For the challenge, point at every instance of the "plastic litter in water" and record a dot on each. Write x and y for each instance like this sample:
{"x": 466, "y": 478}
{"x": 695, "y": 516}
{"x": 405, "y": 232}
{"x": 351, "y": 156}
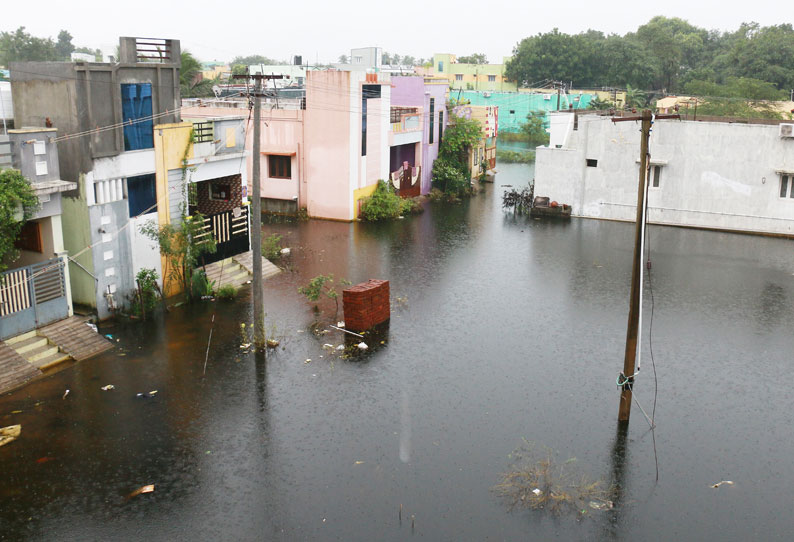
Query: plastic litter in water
{"x": 340, "y": 324}
{"x": 362, "y": 346}
{"x": 537, "y": 491}
{"x": 143, "y": 489}
{"x": 108, "y": 387}
{"x": 9, "y": 434}
{"x": 726, "y": 482}
{"x": 65, "y": 394}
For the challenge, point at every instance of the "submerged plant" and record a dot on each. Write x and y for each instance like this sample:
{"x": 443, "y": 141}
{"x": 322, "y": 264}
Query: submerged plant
{"x": 536, "y": 480}
{"x": 322, "y": 285}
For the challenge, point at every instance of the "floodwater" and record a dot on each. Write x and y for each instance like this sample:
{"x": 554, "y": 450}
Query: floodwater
{"x": 505, "y": 329}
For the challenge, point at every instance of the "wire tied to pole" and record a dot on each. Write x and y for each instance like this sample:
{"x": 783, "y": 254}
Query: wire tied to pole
{"x": 625, "y": 382}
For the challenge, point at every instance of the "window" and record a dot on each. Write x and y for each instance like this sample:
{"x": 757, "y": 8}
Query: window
{"x": 786, "y": 181}
{"x": 491, "y": 78}
{"x": 220, "y": 191}
{"x": 592, "y": 162}
{"x": 458, "y": 77}
{"x": 440, "y": 66}
{"x": 512, "y": 111}
{"x": 367, "y": 92}
{"x": 432, "y": 115}
{"x": 136, "y": 103}
{"x": 357, "y": 59}
{"x": 440, "y": 125}
{"x": 142, "y": 194}
{"x": 280, "y": 167}
{"x": 656, "y": 173}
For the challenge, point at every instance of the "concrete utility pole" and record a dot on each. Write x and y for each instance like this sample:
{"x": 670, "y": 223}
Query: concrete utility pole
{"x": 632, "y": 328}
{"x": 260, "y": 341}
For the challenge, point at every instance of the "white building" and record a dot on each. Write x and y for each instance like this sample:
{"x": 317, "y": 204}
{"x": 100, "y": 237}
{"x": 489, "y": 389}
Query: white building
{"x": 714, "y": 175}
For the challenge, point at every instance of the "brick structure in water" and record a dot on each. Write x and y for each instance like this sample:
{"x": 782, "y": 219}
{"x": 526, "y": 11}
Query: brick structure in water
{"x": 366, "y": 305}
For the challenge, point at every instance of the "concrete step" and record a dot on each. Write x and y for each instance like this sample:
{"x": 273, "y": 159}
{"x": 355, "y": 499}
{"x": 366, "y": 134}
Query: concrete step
{"x": 229, "y": 270}
{"x": 52, "y": 360}
{"x": 41, "y": 352}
{"x": 20, "y": 338}
{"x": 32, "y": 343}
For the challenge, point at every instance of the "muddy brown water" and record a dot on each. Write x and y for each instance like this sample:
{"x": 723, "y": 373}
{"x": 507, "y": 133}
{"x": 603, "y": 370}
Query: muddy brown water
{"x": 506, "y": 328}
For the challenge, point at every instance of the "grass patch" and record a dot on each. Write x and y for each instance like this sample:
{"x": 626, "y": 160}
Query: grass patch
{"x": 227, "y": 292}
{"x": 515, "y": 157}
{"x": 536, "y": 480}
{"x": 271, "y": 247}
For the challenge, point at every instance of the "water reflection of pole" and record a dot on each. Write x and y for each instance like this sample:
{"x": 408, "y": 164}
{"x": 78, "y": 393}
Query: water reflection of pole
{"x": 617, "y": 480}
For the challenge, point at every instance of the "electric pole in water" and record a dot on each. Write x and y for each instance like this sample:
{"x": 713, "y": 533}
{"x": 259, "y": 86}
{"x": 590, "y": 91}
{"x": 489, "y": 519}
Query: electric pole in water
{"x": 632, "y": 329}
{"x": 260, "y": 341}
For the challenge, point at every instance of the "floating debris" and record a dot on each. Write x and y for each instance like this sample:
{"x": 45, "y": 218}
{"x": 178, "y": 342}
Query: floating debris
{"x": 359, "y": 463}
{"x": 44, "y": 460}
{"x": 308, "y": 360}
{"x": 143, "y": 489}
{"x": 272, "y": 343}
{"x": 108, "y": 387}
{"x": 285, "y": 251}
{"x": 9, "y": 434}
{"x": 340, "y": 324}
{"x": 726, "y": 482}
{"x": 537, "y": 491}
{"x": 245, "y": 345}
{"x": 326, "y": 345}
{"x": 65, "y": 394}
{"x": 362, "y": 346}
{"x": 602, "y": 505}
{"x": 92, "y": 326}
{"x": 340, "y": 347}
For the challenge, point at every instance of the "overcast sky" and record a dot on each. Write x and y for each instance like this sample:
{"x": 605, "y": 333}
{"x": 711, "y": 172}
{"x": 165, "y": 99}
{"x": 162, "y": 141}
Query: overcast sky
{"x": 324, "y": 29}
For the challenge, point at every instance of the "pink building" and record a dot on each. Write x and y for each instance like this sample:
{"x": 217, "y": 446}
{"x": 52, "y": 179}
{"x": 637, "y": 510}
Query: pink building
{"x": 324, "y": 158}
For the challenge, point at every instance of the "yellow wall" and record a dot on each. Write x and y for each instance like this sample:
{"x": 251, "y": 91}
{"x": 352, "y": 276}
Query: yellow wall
{"x": 361, "y": 193}
{"x": 172, "y": 144}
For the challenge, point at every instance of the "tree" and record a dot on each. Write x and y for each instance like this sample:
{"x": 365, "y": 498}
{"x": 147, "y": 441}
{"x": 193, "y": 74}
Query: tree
{"x": 18, "y": 202}
{"x": 474, "y": 58}
{"x": 534, "y": 128}
{"x": 64, "y": 47}
{"x": 343, "y": 59}
{"x": 451, "y": 171}
{"x": 21, "y": 46}
{"x": 395, "y": 59}
{"x": 181, "y": 248}
{"x": 190, "y": 68}
{"x": 240, "y": 64}
{"x": 408, "y": 60}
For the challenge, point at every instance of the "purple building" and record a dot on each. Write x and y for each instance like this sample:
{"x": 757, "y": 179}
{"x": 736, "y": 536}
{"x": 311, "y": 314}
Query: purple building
{"x": 418, "y": 120}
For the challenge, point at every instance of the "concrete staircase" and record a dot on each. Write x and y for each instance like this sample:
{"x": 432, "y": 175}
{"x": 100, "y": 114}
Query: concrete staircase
{"x": 238, "y": 270}
{"x": 226, "y": 272}
{"x": 37, "y": 350}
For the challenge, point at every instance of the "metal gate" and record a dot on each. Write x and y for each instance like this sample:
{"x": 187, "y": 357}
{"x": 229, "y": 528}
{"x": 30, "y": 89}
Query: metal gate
{"x": 32, "y": 296}
{"x": 230, "y": 231}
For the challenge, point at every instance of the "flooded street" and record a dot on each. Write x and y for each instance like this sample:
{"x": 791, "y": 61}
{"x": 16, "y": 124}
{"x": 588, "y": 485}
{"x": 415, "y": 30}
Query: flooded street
{"x": 506, "y": 328}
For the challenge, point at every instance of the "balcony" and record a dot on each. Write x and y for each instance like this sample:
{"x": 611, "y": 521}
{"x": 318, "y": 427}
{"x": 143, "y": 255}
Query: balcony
{"x": 406, "y": 126}
{"x": 218, "y": 138}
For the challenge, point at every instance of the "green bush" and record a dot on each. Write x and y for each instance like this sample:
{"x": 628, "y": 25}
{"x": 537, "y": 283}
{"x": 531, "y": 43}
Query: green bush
{"x": 411, "y": 206}
{"x": 449, "y": 178}
{"x": 145, "y": 300}
{"x": 271, "y": 247}
{"x": 383, "y": 204}
{"x": 322, "y": 284}
{"x": 227, "y": 292}
{"x": 510, "y": 157}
